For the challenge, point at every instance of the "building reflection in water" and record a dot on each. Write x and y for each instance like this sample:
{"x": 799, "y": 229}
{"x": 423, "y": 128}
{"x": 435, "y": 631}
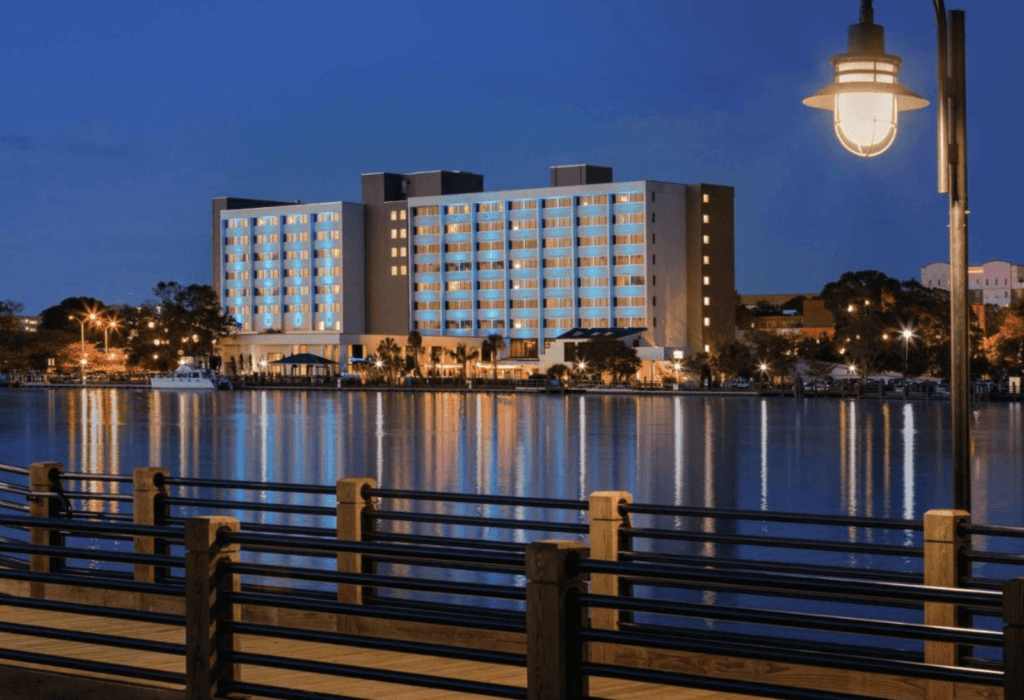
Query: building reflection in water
{"x": 856, "y": 457}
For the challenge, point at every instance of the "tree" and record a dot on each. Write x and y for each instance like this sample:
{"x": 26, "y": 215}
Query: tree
{"x": 390, "y": 357}
{"x": 607, "y": 355}
{"x": 180, "y": 322}
{"x": 414, "y": 348}
{"x": 491, "y": 347}
{"x": 9, "y": 311}
{"x": 559, "y": 371}
{"x": 463, "y": 355}
{"x": 734, "y": 360}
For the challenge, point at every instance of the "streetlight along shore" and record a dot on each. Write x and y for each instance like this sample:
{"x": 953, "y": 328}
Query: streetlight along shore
{"x": 865, "y": 100}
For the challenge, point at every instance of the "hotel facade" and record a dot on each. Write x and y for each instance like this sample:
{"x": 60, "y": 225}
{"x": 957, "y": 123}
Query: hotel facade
{"x": 435, "y": 253}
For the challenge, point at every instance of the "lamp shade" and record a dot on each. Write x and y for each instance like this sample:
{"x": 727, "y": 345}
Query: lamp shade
{"x": 866, "y": 96}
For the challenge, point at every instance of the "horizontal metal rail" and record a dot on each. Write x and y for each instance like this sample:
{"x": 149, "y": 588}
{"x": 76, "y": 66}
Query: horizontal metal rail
{"x": 91, "y": 527}
{"x": 379, "y": 581}
{"x": 107, "y": 640}
{"x": 269, "y": 528}
{"x": 462, "y": 612}
{"x": 425, "y": 555}
{"x": 437, "y": 541}
{"x": 801, "y": 518}
{"x": 94, "y": 554}
{"x": 12, "y": 469}
{"x": 384, "y": 676}
{"x": 106, "y": 582}
{"x": 785, "y": 584}
{"x": 774, "y": 566}
{"x": 994, "y": 557}
{"x": 90, "y": 495}
{"x": 990, "y": 530}
{"x": 481, "y": 521}
{"x": 278, "y": 486}
{"x": 780, "y": 542}
{"x": 11, "y": 488}
{"x": 94, "y": 610}
{"x": 272, "y": 600}
{"x": 65, "y": 662}
{"x": 76, "y": 476}
{"x": 519, "y": 501}
{"x": 810, "y": 621}
{"x": 323, "y": 511}
{"x": 20, "y": 507}
{"x": 810, "y": 657}
{"x": 396, "y": 645}
{"x": 796, "y": 645}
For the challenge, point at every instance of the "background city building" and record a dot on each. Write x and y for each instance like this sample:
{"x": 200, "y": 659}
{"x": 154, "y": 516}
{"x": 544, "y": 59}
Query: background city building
{"x": 996, "y": 282}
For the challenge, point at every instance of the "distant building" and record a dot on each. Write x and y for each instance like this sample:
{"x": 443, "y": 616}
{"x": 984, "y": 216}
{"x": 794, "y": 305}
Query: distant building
{"x": 433, "y": 252}
{"x": 996, "y": 282}
{"x": 29, "y": 324}
{"x": 809, "y": 318}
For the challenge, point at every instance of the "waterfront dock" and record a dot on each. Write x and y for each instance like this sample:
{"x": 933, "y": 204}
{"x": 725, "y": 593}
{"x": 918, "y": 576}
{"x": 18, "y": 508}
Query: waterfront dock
{"x": 397, "y": 600}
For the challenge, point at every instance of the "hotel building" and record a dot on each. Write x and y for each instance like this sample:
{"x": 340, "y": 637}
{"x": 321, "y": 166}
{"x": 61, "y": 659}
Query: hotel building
{"x": 433, "y": 252}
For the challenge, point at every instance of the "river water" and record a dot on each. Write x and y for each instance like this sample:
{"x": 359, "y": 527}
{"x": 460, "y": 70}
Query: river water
{"x": 852, "y": 457}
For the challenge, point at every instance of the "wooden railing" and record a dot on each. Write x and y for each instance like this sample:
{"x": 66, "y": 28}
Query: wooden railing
{"x": 723, "y": 608}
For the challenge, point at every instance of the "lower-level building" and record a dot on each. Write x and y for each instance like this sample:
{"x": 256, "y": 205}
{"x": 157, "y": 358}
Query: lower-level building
{"x": 996, "y": 282}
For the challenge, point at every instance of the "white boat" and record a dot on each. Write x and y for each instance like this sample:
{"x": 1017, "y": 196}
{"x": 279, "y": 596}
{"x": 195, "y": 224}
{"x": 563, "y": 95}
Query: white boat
{"x": 188, "y": 377}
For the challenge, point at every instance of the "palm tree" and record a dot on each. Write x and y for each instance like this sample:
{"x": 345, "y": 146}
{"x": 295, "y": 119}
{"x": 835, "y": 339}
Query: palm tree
{"x": 463, "y": 355}
{"x": 390, "y": 355}
{"x": 491, "y": 347}
{"x": 414, "y": 343}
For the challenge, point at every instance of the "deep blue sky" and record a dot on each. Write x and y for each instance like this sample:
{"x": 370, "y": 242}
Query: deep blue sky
{"x": 119, "y": 121}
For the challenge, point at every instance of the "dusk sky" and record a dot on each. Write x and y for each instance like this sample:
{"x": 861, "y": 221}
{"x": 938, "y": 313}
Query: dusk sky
{"x": 119, "y": 121}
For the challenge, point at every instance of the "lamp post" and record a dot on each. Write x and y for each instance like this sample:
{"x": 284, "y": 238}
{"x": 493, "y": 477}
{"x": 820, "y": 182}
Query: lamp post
{"x": 81, "y": 322}
{"x": 109, "y": 325}
{"x": 866, "y": 99}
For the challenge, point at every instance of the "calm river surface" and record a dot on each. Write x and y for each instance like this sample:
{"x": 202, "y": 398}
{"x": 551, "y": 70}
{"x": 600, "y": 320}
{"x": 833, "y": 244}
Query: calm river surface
{"x": 853, "y": 457}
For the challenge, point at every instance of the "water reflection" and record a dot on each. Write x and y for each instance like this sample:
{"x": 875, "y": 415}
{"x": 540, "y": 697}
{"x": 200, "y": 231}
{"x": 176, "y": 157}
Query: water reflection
{"x": 864, "y": 457}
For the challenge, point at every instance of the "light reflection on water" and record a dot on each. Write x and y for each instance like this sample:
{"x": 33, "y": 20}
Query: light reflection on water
{"x": 883, "y": 459}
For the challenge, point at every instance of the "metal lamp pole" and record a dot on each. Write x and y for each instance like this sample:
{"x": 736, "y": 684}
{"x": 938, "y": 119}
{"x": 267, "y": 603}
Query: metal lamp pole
{"x": 865, "y": 99}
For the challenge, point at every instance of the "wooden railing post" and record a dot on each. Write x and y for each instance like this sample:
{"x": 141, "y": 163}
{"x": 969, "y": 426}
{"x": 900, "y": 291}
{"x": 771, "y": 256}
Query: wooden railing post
{"x": 44, "y": 479}
{"x": 207, "y": 613}
{"x": 553, "y": 652}
{"x": 943, "y": 567}
{"x": 354, "y": 522}
{"x": 1013, "y": 639}
{"x": 606, "y": 541}
{"x": 149, "y": 507}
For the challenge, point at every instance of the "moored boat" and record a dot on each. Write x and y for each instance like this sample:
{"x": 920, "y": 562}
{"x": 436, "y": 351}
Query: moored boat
{"x": 189, "y": 377}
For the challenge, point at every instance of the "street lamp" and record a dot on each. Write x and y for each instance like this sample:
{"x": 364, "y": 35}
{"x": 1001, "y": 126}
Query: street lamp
{"x": 81, "y": 322}
{"x": 866, "y": 99}
{"x": 109, "y": 325}
{"x": 906, "y": 334}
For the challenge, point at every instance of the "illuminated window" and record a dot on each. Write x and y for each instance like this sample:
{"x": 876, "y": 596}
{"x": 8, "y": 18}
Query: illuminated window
{"x": 402, "y": 232}
{"x": 404, "y": 270}
{"x": 707, "y": 280}
{"x": 707, "y": 348}
{"x": 401, "y": 215}
{"x": 707, "y": 321}
{"x": 394, "y": 252}
{"x": 394, "y": 270}
{"x": 707, "y": 301}
{"x": 707, "y": 198}
{"x": 707, "y": 239}
{"x": 394, "y": 216}
{"x": 707, "y": 259}
{"x": 403, "y": 252}
{"x": 707, "y": 218}
{"x": 394, "y": 233}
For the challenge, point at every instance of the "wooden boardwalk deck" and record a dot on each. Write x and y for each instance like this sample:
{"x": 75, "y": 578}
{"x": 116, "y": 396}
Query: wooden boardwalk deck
{"x": 21, "y": 686}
